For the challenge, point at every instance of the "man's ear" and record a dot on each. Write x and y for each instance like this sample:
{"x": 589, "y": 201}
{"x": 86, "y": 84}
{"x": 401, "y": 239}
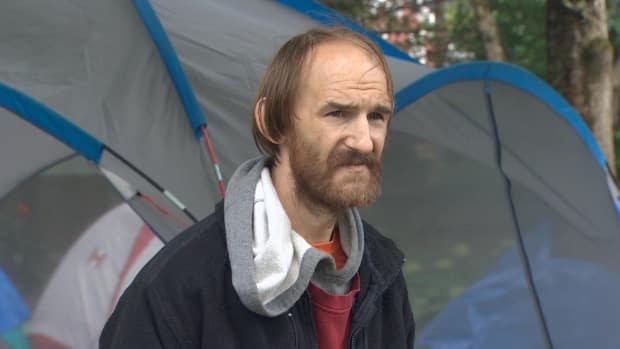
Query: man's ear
{"x": 259, "y": 118}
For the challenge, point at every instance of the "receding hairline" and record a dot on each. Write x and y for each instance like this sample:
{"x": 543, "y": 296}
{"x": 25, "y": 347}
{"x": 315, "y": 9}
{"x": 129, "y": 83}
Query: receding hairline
{"x": 373, "y": 55}
{"x": 368, "y": 50}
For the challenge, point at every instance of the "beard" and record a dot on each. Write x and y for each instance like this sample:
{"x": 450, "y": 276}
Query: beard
{"x": 317, "y": 185}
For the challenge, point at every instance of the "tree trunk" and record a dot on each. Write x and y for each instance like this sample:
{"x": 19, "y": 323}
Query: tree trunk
{"x": 580, "y": 59}
{"x": 616, "y": 106}
{"x": 616, "y": 81}
{"x": 488, "y": 30}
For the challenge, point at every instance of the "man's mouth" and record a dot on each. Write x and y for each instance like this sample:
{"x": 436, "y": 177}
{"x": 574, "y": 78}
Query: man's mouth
{"x": 356, "y": 166}
{"x": 353, "y": 160}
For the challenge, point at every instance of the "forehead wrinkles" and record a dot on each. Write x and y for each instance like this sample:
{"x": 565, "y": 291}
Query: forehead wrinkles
{"x": 338, "y": 68}
{"x": 335, "y": 58}
{"x": 372, "y": 89}
{"x": 370, "y": 79}
{"x": 336, "y": 73}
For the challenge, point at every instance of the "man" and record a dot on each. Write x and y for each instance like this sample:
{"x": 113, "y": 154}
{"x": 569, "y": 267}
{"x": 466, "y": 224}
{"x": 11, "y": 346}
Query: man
{"x": 286, "y": 261}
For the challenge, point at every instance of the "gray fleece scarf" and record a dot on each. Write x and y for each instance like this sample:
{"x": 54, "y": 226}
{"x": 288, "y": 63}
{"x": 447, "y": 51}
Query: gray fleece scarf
{"x": 268, "y": 283}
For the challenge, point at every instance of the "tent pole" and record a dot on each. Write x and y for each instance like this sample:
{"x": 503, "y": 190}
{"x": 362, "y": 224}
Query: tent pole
{"x": 519, "y": 236}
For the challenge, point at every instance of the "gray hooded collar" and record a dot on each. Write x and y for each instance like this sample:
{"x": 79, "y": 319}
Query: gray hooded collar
{"x": 315, "y": 265}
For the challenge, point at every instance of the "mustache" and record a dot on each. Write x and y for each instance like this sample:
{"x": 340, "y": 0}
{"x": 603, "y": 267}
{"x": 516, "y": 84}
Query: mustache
{"x": 352, "y": 157}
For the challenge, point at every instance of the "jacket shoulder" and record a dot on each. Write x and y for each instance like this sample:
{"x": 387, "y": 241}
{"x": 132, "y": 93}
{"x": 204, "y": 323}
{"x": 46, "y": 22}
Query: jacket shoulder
{"x": 377, "y": 243}
{"x": 166, "y": 298}
{"x": 199, "y": 249}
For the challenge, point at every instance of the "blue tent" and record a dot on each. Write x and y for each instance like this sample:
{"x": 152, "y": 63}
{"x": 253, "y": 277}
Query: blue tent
{"x": 13, "y": 313}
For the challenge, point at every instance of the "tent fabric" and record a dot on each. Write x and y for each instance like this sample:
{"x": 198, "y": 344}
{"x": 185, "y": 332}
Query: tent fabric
{"x": 50, "y": 122}
{"x": 13, "y": 310}
{"x": 509, "y": 74}
{"x": 39, "y": 221}
{"x": 524, "y": 130}
{"x": 37, "y": 149}
{"x": 170, "y": 59}
{"x": 99, "y": 264}
{"x": 56, "y": 128}
{"x": 495, "y": 311}
{"x": 546, "y": 169}
{"x": 589, "y": 204}
{"x": 104, "y": 74}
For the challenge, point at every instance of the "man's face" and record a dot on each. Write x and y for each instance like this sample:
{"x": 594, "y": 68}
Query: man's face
{"x": 342, "y": 114}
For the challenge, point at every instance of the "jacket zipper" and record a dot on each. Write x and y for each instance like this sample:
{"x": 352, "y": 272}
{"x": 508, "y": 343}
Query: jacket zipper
{"x": 294, "y": 328}
{"x": 366, "y": 317}
{"x": 353, "y": 338}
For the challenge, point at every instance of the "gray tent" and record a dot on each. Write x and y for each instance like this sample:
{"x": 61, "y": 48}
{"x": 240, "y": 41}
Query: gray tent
{"x": 479, "y": 158}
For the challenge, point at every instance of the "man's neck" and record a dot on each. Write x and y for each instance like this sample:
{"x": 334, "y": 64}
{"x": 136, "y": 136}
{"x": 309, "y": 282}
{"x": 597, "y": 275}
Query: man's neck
{"x": 314, "y": 223}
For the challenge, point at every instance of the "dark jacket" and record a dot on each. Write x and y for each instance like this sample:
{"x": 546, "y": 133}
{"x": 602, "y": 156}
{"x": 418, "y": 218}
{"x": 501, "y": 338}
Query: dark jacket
{"x": 184, "y": 298}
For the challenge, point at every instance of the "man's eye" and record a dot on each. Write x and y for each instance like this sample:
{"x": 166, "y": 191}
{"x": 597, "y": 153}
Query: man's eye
{"x": 336, "y": 113}
{"x": 376, "y": 116}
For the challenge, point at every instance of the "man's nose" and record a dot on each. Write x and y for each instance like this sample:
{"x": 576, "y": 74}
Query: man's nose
{"x": 359, "y": 136}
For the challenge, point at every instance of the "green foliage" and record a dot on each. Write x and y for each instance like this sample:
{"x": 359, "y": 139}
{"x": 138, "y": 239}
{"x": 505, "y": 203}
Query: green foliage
{"x": 357, "y": 10}
{"x": 389, "y": 16}
{"x": 460, "y": 18}
{"x": 521, "y": 25}
{"x": 522, "y": 29}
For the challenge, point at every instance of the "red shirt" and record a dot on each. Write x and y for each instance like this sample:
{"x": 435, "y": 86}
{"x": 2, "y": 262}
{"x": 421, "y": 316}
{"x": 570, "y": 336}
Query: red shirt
{"x": 332, "y": 313}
